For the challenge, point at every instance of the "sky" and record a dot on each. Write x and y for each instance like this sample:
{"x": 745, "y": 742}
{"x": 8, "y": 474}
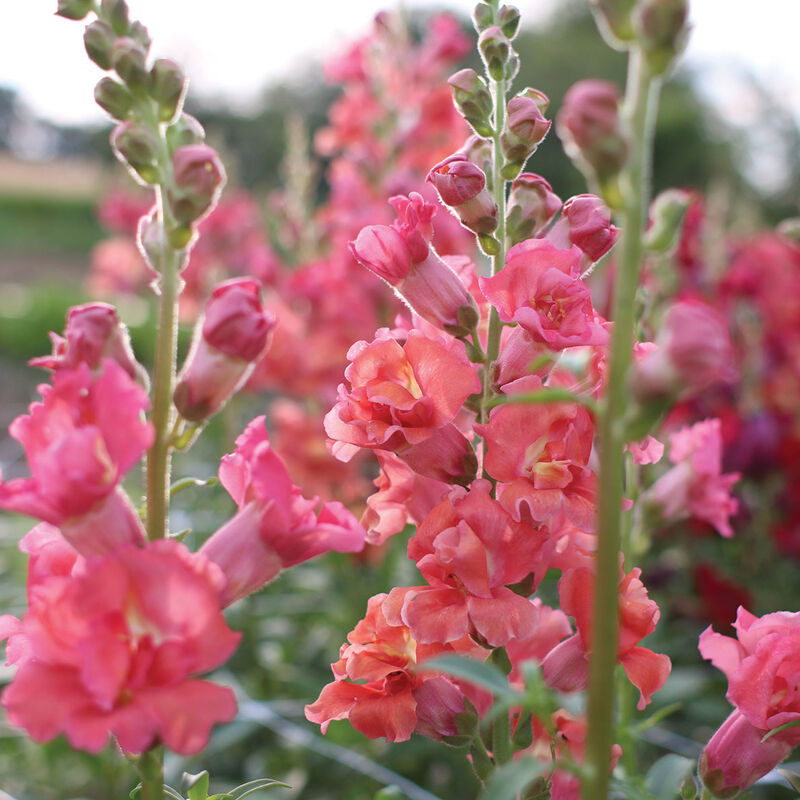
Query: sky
{"x": 235, "y": 51}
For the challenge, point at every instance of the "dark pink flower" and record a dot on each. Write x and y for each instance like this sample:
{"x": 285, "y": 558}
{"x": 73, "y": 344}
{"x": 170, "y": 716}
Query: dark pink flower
{"x": 586, "y": 223}
{"x": 112, "y": 652}
{"x": 275, "y": 527}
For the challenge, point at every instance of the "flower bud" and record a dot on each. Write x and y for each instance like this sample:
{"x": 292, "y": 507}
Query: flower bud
{"x": 167, "y": 83}
{"x": 74, "y": 9}
{"x": 231, "y": 336}
{"x": 667, "y": 212}
{"x": 139, "y": 33}
{"x": 508, "y": 20}
{"x": 531, "y": 205}
{"x": 113, "y": 98}
{"x": 736, "y": 758}
{"x": 661, "y": 29}
{"x": 137, "y": 146}
{"x": 198, "y": 180}
{"x": 613, "y": 18}
{"x": 482, "y": 17}
{"x": 480, "y": 151}
{"x": 495, "y": 50}
{"x": 115, "y": 12}
{"x": 525, "y": 128}
{"x": 589, "y": 225}
{"x": 462, "y": 186}
{"x": 98, "y": 39}
{"x": 472, "y": 99}
{"x": 128, "y": 58}
{"x": 184, "y": 131}
{"x": 589, "y": 127}
{"x": 93, "y": 333}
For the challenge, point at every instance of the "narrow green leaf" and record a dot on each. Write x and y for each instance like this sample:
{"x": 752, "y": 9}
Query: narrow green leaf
{"x": 665, "y": 777}
{"x": 546, "y": 395}
{"x": 186, "y": 483}
{"x": 254, "y": 786}
{"x": 197, "y": 785}
{"x": 793, "y": 724}
{"x": 480, "y": 673}
{"x": 508, "y": 781}
{"x": 135, "y": 791}
{"x": 173, "y": 794}
{"x": 662, "y": 713}
{"x": 792, "y": 777}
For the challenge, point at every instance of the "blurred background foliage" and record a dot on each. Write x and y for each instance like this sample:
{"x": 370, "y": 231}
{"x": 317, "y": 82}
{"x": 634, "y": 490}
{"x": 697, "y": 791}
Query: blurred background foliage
{"x": 47, "y": 228}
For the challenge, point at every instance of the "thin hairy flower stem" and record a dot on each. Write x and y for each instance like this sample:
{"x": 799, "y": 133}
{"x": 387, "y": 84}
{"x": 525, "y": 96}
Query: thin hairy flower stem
{"x": 159, "y": 456}
{"x": 639, "y": 113}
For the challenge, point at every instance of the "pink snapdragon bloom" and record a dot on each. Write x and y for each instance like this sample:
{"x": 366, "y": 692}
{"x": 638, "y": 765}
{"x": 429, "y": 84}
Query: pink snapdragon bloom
{"x": 275, "y": 526}
{"x": 84, "y": 435}
{"x": 763, "y": 669}
{"x": 469, "y": 549}
{"x": 93, "y": 333}
{"x": 693, "y": 353}
{"x": 402, "y": 497}
{"x": 552, "y": 627}
{"x": 112, "y": 650}
{"x": 541, "y": 458}
{"x": 695, "y": 486}
{"x": 401, "y": 255}
{"x": 586, "y": 223}
{"x": 404, "y": 398}
{"x": 540, "y": 289}
{"x": 231, "y": 336}
{"x": 565, "y": 667}
{"x": 646, "y": 451}
{"x": 379, "y": 689}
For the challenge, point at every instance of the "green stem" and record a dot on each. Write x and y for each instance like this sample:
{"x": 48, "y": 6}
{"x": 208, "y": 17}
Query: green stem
{"x": 502, "y": 749}
{"x": 151, "y": 771}
{"x": 639, "y": 112}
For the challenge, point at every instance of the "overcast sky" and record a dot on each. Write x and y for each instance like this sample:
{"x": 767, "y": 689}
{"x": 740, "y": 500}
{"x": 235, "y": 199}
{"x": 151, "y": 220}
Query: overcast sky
{"x": 234, "y": 48}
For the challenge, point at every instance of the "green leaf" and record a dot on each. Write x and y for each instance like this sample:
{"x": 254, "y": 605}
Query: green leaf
{"x": 388, "y": 793}
{"x": 665, "y": 777}
{"x": 633, "y": 791}
{"x": 254, "y": 786}
{"x": 480, "y": 673}
{"x": 792, "y": 777}
{"x": 135, "y": 791}
{"x": 662, "y": 713}
{"x": 224, "y": 796}
{"x": 508, "y": 781}
{"x": 172, "y": 793}
{"x": 197, "y": 785}
{"x": 793, "y": 724}
{"x": 186, "y": 483}
{"x": 547, "y": 395}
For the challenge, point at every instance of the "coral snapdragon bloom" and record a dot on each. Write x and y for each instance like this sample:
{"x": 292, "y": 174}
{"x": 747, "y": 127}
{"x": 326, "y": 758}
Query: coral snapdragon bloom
{"x": 84, "y": 435}
{"x": 469, "y": 549}
{"x": 540, "y": 454}
{"x": 404, "y": 398}
{"x": 540, "y": 288}
{"x": 762, "y": 665}
{"x": 275, "y": 526}
{"x": 565, "y": 667}
{"x": 379, "y": 689}
{"x": 110, "y": 647}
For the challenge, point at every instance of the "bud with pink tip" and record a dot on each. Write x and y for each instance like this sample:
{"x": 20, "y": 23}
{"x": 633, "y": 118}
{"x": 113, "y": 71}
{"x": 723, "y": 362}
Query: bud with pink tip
{"x": 499, "y": 57}
{"x": 137, "y": 147}
{"x": 93, "y": 334}
{"x": 129, "y": 60}
{"x": 230, "y": 337}
{"x": 508, "y": 20}
{"x": 167, "y": 84}
{"x": 524, "y": 131}
{"x": 462, "y": 186}
{"x": 198, "y": 180}
{"x": 74, "y": 9}
{"x": 586, "y": 222}
{"x": 531, "y": 205}
{"x": 589, "y": 127}
{"x": 113, "y": 98}
{"x": 98, "y": 39}
{"x": 471, "y": 97}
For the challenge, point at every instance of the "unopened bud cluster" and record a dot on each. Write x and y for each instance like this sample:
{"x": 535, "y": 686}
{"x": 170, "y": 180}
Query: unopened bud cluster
{"x": 154, "y": 138}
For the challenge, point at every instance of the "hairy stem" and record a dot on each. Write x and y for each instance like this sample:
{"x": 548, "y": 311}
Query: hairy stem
{"x": 639, "y": 112}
